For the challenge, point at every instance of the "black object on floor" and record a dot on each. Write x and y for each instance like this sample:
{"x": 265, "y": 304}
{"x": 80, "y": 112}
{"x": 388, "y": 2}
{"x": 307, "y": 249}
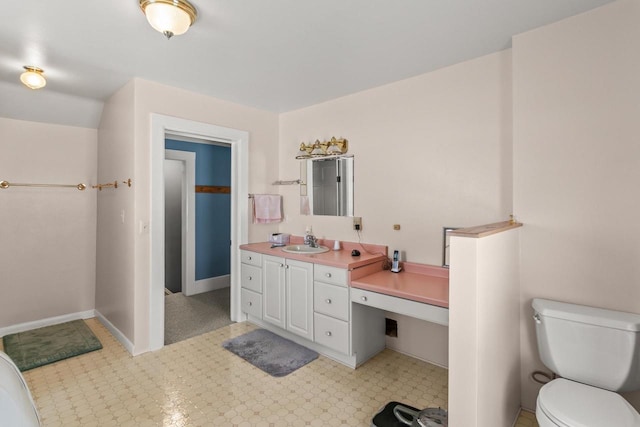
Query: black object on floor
{"x": 385, "y": 417}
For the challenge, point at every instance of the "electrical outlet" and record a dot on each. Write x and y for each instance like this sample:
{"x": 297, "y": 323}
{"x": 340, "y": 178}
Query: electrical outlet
{"x": 357, "y": 223}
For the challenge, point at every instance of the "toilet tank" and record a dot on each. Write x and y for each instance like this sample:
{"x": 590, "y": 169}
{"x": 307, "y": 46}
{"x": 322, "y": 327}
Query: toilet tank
{"x": 589, "y": 345}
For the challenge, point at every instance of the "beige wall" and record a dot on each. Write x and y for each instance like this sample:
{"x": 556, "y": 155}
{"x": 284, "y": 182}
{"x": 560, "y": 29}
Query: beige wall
{"x": 263, "y": 166}
{"x": 48, "y": 235}
{"x": 577, "y": 165}
{"x": 115, "y": 235}
{"x": 484, "y": 336}
{"x": 430, "y": 151}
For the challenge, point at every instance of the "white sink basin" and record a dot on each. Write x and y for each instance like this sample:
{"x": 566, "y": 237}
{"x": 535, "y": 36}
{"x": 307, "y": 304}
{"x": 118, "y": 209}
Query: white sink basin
{"x": 304, "y": 249}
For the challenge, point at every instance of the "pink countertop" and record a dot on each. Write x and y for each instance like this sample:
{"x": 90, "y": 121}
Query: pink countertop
{"x": 416, "y": 282}
{"x": 340, "y": 259}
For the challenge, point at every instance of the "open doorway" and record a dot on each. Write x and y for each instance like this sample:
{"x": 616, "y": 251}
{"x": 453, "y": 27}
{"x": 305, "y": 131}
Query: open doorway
{"x": 162, "y": 126}
{"x": 197, "y": 190}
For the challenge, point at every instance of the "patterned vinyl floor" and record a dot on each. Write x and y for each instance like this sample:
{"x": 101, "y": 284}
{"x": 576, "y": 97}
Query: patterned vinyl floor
{"x": 198, "y": 383}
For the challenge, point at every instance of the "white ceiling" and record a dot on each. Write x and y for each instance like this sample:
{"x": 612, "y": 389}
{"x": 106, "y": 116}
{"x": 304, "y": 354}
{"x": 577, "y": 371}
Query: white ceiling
{"x": 276, "y": 55}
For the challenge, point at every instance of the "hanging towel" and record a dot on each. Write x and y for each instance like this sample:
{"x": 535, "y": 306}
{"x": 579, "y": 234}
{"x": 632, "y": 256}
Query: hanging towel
{"x": 267, "y": 208}
{"x": 304, "y": 205}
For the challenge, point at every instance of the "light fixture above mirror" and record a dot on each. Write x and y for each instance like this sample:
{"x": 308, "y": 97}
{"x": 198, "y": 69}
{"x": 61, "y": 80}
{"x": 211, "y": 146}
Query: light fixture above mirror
{"x": 333, "y": 147}
{"x": 170, "y": 17}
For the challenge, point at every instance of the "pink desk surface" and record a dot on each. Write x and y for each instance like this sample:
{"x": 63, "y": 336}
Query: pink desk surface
{"x": 416, "y": 282}
{"x": 340, "y": 259}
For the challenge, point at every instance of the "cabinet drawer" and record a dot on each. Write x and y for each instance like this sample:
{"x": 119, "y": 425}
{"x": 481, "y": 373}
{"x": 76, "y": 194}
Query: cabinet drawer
{"x": 331, "y": 332}
{"x": 331, "y": 300}
{"x": 324, "y": 273}
{"x": 419, "y": 310}
{"x": 252, "y": 258}
{"x": 251, "y": 277}
{"x": 251, "y": 303}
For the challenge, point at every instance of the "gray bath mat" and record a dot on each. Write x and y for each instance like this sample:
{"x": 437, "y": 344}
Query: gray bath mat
{"x": 273, "y": 354}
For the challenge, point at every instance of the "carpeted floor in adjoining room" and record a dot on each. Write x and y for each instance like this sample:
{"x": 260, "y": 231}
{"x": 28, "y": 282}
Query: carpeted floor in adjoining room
{"x": 187, "y": 317}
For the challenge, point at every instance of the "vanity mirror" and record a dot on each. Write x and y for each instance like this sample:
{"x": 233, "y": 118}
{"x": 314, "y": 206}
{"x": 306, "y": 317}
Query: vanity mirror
{"x": 329, "y": 186}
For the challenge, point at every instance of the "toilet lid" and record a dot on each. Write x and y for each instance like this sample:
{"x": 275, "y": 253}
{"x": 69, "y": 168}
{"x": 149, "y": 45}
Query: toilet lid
{"x": 568, "y": 403}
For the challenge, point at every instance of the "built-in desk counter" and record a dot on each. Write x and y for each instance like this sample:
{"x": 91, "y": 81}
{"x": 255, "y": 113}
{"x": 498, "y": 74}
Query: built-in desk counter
{"x": 420, "y": 291}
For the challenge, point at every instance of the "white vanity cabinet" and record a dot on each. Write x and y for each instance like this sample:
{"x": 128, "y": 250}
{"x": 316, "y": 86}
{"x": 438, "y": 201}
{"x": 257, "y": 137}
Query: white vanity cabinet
{"x": 308, "y": 300}
{"x": 288, "y": 295}
{"x": 251, "y": 283}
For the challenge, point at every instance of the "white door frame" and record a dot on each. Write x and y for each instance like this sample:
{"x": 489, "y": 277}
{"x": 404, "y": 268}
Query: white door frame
{"x": 188, "y": 218}
{"x": 239, "y": 142}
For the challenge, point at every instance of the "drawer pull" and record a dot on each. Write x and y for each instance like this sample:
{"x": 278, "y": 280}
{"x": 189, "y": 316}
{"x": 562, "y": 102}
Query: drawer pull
{"x": 363, "y": 298}
{"x": 328, "y": 333}
{"x": 328, "y": 274}
{"x": 328, "y": 300}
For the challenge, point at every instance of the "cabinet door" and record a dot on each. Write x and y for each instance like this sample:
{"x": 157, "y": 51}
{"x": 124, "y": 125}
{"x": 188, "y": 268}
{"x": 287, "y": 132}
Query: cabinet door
{"x": 273, "y": 290}
{"x": 299, "y": 281}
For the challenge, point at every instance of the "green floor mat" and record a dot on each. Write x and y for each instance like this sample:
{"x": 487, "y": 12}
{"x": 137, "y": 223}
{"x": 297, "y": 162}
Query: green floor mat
{"x": 50, "y": 344}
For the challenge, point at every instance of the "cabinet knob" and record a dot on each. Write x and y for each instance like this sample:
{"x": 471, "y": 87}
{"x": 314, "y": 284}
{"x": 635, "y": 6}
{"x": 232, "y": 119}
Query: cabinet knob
{"x": 250, "y": 303}
{"x": 328, "y": 274}
{"x": 249, "y": 277}
{"x": 328, "y": 300}
{"x": 287, "y": 267}
{"x": 363, "y": 298}
{"x": 249, "y": 258}
{"x": 281, "y": 265}
{"x": 328, "y": 333}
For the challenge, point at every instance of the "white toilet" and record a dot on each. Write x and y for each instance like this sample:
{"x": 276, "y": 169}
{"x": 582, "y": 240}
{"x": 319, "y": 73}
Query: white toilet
{"x": 596, "y": 352}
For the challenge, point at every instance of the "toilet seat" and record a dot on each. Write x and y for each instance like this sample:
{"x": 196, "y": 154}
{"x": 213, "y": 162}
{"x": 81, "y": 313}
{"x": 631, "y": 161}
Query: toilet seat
{"x": 570, "y": 404}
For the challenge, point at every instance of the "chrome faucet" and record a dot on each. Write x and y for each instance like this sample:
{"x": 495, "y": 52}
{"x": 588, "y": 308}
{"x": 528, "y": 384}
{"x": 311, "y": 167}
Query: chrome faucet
{"x": 310, "y": 240}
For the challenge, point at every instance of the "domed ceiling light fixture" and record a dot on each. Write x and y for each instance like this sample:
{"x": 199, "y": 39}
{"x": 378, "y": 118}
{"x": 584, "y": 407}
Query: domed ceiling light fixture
{"x": 170, "y": 17}
{"x": 33, "y": 78}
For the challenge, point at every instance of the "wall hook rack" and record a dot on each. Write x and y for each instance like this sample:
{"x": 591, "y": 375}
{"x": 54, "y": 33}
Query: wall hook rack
{"x": 113, "y": 184}
{"x": 292, "y": 182}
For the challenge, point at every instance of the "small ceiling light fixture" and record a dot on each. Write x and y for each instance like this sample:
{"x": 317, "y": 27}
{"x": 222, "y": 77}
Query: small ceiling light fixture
{"x": 33, "y": 78}
{"x": 170, "y": 17}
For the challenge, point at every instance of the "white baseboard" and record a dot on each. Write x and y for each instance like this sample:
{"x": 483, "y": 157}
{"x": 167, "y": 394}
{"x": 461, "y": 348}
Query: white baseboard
{"x": 212, "y": 284}
{"x": 128, "y": 345}
{"x": 27, "y": 326}
{"x": 440, "y": 365}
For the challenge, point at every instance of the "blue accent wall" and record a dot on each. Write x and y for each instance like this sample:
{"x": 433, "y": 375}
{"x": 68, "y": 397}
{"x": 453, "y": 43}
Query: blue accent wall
{"x": 213, "y": 211}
